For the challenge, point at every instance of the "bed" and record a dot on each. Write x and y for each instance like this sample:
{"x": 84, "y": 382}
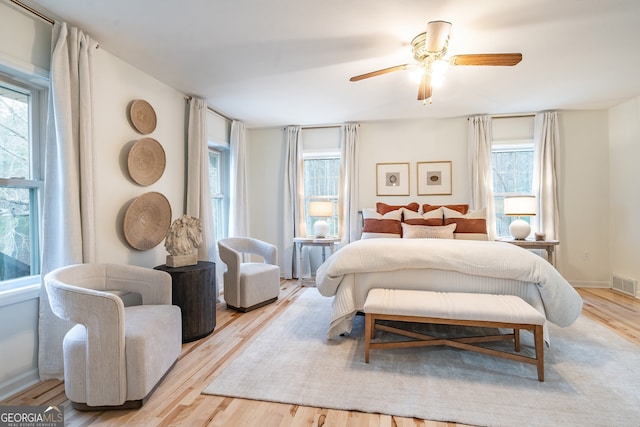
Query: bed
{"x": 445, "y": 265}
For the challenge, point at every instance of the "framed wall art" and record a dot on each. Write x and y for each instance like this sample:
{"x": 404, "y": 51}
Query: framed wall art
{"x": 392, "y": 179}
{"x": 434, "y": 178}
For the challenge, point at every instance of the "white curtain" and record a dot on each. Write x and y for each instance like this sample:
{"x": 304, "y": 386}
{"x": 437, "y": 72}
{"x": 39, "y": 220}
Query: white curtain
{"x": 238, "y": 200}
{"x": 481, "y": 170}
{"x": 348, "y": 193}
{"x": 198, "y": 197}
{"x": 293, "y": 207}
{"x": 68, "y": 235}
{"x": 546, "y": 138}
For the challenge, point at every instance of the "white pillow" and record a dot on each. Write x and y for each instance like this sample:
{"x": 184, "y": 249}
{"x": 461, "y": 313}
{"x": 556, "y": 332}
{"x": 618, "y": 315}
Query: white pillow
{"x": 471, "y": 226}
{"x": 477, "y": 213}
{"x": 436, "y": 213}
{"x": 428, "y": 231}
{"x": 377, "y": 225}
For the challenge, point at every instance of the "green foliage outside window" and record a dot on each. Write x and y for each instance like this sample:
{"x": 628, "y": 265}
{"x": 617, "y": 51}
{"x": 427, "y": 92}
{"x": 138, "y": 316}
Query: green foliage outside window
{"x": 17, "y": 202}
{"x": 512, "y": 174}
{"x": 321, "y": 182}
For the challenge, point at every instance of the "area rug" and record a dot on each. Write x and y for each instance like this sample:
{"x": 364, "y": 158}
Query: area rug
{"x": 592, "y": 376}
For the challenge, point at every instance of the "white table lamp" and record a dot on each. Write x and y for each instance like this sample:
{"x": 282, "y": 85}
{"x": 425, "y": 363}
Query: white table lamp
{"x": 321, "y": 209}
{"x": 520, "y": 206}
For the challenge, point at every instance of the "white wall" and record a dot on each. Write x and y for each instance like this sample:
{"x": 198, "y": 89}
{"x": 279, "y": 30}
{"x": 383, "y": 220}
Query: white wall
{"x": 583, "y": 256}
{"x": 115, "y": 85}
{"x": 583, "y": 180}
{"x": 265, "y": 169}
{"x": 413, "y": 141}
{"x": 624, "y": 157}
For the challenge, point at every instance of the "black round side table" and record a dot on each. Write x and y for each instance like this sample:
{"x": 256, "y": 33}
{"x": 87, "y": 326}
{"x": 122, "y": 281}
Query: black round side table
{"x": 193, "y": 290}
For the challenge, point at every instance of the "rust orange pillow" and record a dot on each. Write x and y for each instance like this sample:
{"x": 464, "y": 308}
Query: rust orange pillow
{"x": 433, "y": 217}
{"x": 463, "y": 209}
{"x": 381, "y": 225}
{"x": 383, "y": 208}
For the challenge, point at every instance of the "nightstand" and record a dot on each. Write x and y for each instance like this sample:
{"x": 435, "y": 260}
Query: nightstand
{"x": 548, "y": 245}
{"x": 324, "y": 242}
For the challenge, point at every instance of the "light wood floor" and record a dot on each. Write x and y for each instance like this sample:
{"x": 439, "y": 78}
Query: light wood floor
{"x": 178, "y": 401}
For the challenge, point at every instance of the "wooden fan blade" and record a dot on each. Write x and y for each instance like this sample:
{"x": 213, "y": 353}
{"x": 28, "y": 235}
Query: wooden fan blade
{"x": 505, "y": 59}
{"x": 424, "y": 92}
{"x": 379, "y": 72}
{"x": 437, "y": 35}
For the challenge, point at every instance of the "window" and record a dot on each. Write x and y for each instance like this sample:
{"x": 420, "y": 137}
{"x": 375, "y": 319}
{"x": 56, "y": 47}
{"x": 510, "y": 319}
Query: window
{"x": 218, "y": 172}
{"x": 321, "y": 183}
{"x": 20, "y": 183}
{"x": 512, "y": 174}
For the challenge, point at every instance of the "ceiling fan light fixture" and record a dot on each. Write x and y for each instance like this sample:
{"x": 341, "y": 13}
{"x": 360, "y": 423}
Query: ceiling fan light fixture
{"x": 429, "y": 51}
{"x": 438, "y": 70}
{"x": 439, "y": 67}
{"x": 437, "y": 37}
{"x": 416, "y": 71}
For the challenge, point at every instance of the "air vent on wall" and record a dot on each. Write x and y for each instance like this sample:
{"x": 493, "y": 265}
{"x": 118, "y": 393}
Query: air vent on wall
{"x": 625, "y": 285}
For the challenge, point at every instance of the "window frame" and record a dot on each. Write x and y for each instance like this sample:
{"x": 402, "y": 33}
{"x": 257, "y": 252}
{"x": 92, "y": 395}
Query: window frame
{"x": 321, "y": 155}
{"x": 25, "y": 286}
{"x": 222, "y": 228}
{"x": 510, "y": 147}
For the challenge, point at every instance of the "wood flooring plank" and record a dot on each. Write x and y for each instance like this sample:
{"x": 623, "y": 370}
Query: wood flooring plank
{"x": 178, "y": 400}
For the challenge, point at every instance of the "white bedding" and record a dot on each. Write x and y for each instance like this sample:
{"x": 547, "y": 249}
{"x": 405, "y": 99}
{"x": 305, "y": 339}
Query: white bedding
{"x": 442, "y": 265}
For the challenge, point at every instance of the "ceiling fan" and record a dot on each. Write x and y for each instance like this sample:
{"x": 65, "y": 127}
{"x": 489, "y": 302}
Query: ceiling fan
{"x": 429, "y": 49}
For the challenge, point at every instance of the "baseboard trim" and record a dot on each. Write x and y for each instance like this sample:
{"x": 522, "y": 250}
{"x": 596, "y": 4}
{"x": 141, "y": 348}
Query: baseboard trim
{"x": 19, "y": 383}
{"x": 590, "y": 284}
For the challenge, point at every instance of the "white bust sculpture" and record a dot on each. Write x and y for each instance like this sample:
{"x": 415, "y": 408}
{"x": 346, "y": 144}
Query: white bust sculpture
{"x": 182, "y": 241}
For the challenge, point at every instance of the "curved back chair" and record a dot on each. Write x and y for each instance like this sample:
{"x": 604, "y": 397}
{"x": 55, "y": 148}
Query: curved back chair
{"x": 115, "y": 355}
{"x": 249, "y": 285}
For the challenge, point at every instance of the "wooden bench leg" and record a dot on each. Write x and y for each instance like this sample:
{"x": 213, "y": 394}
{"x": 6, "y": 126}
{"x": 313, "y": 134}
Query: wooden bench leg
{"x": 368, "y": 334}
{"x": 539, "y": 344}
{"x": 516, "y": 339}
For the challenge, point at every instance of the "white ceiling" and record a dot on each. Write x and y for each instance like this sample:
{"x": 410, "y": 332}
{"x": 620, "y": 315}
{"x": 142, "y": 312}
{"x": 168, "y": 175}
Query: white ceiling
{"x": 278, "y": 62}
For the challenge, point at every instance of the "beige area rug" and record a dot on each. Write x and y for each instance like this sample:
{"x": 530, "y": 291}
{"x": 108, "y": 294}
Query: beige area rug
{"x": 592, "y": 376}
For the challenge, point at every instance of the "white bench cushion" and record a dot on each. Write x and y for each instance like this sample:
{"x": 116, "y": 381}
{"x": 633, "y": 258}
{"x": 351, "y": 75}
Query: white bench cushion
{"x": 452, "y": 305}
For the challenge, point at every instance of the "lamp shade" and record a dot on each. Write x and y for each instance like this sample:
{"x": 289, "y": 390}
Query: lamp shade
{"x": 320, "y": 208}
{"x": 520, "y": 205}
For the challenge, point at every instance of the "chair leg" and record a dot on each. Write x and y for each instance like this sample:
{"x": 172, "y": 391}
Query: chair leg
{"x": 253, "y": 307}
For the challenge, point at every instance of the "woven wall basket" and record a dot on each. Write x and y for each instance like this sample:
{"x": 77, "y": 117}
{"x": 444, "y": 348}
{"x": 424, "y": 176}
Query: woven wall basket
{"x": 147, "y": 221}
{"x": 142, "y": 116}
{"x": 146, "y": 161}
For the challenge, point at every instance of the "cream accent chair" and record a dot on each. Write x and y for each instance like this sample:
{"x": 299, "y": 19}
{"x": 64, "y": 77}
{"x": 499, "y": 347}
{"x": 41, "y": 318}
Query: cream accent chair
{"x": 115, "y": 356}
{"x": 249, "y": 285}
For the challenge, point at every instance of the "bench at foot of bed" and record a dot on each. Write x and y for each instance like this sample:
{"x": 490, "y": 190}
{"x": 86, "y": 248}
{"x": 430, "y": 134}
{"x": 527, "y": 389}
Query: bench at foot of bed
{"x": 451, "y": 308}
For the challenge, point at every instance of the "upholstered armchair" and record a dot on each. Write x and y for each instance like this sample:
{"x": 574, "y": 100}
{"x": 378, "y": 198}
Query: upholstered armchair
{"x": 115, "y": 355}
{"x": 249, "y": 285}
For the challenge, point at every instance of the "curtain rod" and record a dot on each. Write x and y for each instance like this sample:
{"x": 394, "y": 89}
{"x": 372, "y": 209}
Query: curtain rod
{"x": 33, "y": 11}
{"x": 317, "y": 127}
{"x": 517, "y": 116}
{"x": 220, "y": 114}
{"x": 189, "y": 98}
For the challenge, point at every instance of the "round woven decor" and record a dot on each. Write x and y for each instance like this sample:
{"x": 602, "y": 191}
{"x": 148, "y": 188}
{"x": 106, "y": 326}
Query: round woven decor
{"x": 146, "y": 161}
{"x": 147, "y": 221}
{"x": 142, "y": 116}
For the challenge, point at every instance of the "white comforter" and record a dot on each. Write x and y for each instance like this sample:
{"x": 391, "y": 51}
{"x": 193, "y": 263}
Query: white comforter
{"x": 395, "y": 257}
